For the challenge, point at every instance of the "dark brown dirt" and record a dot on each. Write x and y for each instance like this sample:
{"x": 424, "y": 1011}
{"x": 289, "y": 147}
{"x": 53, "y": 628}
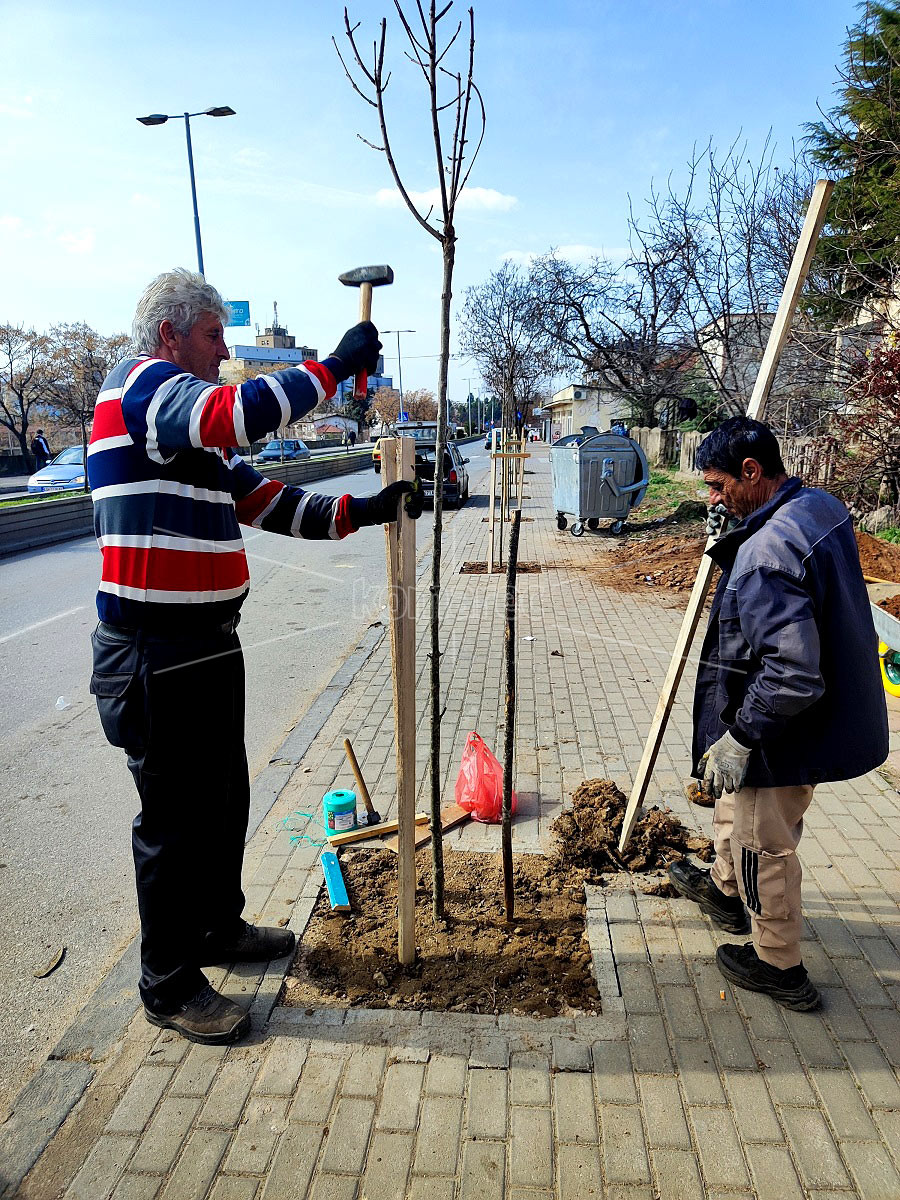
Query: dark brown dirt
{"x": 878, "y": 558}
{"x": 480, "y": 568}
{"x": 540, "y": 965}
{"x": 587, "y": 836}
{"x": 891, "y": 605}
{"x": 662, "y": 562}
{"x": 695, "y": 793}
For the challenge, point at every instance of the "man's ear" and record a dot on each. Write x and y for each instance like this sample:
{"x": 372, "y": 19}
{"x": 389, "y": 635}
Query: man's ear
{"x": 751, "y": 471}
{"x": 167, "y": 334}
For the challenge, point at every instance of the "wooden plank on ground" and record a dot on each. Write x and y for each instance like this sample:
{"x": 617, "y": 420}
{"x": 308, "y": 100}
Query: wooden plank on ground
{"x": 369, "y": 831}
{"x": 451, "y": 816}
{"x": 806, "y": 246}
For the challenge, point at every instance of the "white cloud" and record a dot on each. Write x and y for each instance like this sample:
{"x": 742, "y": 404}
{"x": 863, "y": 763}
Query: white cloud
{"x": 11, "y": 224}
{"x": 471, "y": 199}
{"x": 250, "y": 156}
{"x": 578, "y": 252}
{"x": 80, "y": 242}
{"x": 141, "y": 201}
{"x": 17, "y": 109}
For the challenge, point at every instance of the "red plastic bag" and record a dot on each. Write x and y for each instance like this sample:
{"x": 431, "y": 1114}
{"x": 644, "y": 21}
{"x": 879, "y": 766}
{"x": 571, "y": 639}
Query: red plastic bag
{"x": 479, "y": 784}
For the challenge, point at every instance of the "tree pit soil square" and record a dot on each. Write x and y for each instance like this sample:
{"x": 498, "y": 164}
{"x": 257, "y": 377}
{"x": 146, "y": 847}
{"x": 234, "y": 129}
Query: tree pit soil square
{"x": 480, "y": 568}
{"x": 540, "y": 965}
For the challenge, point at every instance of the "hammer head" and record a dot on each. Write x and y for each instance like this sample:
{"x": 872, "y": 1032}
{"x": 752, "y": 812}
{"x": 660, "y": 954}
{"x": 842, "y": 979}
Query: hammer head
{"x": 375, "y": 276}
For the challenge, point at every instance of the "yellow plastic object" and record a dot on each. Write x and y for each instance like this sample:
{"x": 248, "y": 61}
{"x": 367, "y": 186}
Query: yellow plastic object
{"x": 890, "y": 669}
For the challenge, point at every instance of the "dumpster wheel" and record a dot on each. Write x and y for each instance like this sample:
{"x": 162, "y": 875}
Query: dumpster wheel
{"x": 890, "y": 669}
{"x": 617, "y": 527}
{"x": 593, "y": 522}
{"x": 577, "y": 529}
{"x": 561, "y": 522}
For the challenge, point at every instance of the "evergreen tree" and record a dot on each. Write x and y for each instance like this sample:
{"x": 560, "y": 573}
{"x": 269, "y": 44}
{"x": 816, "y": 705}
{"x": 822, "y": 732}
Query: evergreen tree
{"x": 858, "y": 143}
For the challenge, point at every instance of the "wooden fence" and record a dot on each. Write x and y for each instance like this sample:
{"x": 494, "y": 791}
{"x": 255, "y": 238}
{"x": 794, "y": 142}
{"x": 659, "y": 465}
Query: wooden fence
{"x": 810, "y": 458}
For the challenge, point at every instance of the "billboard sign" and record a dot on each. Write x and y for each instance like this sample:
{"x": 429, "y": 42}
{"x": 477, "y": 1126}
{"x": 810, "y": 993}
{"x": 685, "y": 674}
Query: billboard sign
{"x": 240, "y": 312}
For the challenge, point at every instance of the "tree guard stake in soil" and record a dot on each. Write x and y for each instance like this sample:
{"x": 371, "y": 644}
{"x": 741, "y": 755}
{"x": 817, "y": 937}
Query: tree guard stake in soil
{"x": 398, "y": 458}
{"x": 803, "y": 255}
{"x": 510, "y": 730}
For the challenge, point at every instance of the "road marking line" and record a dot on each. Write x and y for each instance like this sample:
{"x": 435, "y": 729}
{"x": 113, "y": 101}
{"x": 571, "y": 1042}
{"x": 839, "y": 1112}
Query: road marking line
{"x": 37, "y": 625}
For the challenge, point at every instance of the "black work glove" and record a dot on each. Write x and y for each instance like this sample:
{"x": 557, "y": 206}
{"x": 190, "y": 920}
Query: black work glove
{"x": 381, "y": 508}
{"x": 356, "y": 351}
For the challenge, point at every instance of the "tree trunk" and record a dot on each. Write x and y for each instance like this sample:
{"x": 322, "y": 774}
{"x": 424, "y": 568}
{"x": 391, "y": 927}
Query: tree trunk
{"x": 437, "y": 843}
{"x": 510, "y": 729}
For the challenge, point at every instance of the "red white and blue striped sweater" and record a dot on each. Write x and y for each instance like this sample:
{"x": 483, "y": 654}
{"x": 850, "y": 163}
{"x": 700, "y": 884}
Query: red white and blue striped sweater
{"x": 169, "y": 492}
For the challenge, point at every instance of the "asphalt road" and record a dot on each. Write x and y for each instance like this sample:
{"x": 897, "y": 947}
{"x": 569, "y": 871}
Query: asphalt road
{"x": 67, "y": 798}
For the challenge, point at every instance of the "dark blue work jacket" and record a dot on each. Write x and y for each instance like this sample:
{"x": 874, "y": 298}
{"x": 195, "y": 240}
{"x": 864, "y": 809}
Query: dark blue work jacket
{"x": 790, "y": 662}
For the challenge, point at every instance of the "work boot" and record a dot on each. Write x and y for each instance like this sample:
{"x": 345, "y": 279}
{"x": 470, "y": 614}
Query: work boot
{"x": 727, "y": 912}
{"x": 208, "y": 1018}
{"x": 250, "y": 943}
{"x": 792, "y": 988}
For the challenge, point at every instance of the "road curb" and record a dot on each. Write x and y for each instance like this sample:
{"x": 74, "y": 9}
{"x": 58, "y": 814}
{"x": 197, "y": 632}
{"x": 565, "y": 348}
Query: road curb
{"x": 51, "y": 1094}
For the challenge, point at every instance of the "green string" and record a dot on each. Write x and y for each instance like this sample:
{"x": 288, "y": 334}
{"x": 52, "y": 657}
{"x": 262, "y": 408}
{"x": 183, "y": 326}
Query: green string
{"x": 296, "y": 837}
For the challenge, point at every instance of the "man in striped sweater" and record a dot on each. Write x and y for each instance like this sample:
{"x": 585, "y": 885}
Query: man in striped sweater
{"x": 170, "y": 495}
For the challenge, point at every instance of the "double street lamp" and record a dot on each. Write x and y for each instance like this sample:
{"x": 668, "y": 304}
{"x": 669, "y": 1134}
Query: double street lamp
{"x": 160, "y": 119}
{"x": 399, "y": 363}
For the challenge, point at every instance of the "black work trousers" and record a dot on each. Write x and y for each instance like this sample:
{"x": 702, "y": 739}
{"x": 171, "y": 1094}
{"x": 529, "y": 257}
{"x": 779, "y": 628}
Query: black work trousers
{"x": 176, "y": 706}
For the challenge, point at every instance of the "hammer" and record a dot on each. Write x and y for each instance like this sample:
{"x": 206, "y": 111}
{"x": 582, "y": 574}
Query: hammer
{"x": 372, "y": 817}
{"x": 365, "y": 278}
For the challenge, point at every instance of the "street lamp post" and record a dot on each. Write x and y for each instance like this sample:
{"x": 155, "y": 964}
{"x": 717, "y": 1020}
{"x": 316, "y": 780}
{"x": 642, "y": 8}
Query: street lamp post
{"x": 399, "y": 362}
{"x": 160, "y": 119}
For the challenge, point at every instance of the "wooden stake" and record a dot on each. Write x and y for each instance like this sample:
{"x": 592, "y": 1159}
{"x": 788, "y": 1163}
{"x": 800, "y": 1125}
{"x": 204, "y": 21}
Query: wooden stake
{"x": 803, "y": 255}
{"x": 492, "y": 503}
{"x": 509, "y": 740}
{"x": 398, "y": 456}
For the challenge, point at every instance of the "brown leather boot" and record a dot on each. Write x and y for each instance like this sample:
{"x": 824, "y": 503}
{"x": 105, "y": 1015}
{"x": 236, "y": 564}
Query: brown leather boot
{"x": 208, "y": 1018}
{"x": 249, "y": 943}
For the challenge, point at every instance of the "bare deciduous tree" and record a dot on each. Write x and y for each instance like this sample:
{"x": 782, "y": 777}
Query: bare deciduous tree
{"x": 78, "y": 361}
{"x": 23, "y": 381}
{"x": 501, "y": 330}
{"x": 453, "y": 100}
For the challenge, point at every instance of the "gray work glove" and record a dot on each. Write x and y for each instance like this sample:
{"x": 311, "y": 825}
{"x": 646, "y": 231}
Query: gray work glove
{"x": 716, "y": 516}
{"x": 724, "y": 766}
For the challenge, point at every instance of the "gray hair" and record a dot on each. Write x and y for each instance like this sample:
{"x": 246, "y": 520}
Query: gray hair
{"x": 179, "y": 296}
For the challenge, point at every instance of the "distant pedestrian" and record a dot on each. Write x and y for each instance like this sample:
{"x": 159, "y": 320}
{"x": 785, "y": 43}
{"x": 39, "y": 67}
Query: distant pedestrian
{"x": 352, "y": 439}
{"x": 40, "y": 450}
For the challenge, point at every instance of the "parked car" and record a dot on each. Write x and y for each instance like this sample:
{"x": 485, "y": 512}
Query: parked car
{"x": 456, "y": 477}
{"x": 285, "y": 450}
{"x": 64, "y": 473}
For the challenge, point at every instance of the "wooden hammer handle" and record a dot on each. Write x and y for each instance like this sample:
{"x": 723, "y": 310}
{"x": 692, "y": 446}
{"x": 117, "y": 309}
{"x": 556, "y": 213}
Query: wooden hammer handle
{"x": 363, "y": 790}
{"x": 361, "y": 382}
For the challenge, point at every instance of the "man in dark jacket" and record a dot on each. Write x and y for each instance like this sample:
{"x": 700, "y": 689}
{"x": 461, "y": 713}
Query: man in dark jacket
{"x": 41, "y": 451}
{"x": 788, "y": 696}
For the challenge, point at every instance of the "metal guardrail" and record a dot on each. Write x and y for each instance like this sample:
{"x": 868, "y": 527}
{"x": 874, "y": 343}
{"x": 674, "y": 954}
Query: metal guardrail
{"x": 44, "y": 523}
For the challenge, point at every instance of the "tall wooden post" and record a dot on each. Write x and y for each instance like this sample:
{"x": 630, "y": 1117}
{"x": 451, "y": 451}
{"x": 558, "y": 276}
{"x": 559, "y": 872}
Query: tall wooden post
{"x": 803, "y": 255}
{"x": 398, "y": 456}
{"x": 492, "y": 502}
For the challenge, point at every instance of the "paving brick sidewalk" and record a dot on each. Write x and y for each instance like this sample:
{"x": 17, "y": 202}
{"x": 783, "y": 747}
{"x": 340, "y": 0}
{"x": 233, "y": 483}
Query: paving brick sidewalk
{"x": 672, "y": 1092}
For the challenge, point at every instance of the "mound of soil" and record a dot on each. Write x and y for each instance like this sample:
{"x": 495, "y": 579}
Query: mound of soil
{"x": 473, "y": 962}
{"x": 587, "y": 835}
{"x": 878, "y": 558}
{"x": 664, "y": 562}
{"x": 891, "y": 605}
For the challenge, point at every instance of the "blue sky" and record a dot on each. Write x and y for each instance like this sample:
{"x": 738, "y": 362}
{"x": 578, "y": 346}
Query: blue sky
{"x": 586, "y": 103}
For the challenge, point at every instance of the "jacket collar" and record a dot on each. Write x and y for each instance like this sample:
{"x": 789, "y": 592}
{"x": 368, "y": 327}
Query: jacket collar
{"x": 724, "y": 551}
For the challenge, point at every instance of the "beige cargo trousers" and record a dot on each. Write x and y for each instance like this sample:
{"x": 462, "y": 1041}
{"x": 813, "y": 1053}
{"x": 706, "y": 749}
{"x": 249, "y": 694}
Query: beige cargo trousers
{"x": 756, "y": 832}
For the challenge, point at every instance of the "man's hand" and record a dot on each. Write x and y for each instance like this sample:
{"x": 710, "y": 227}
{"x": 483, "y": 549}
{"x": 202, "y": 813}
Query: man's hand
{"x": 716, "y": 516}
{"x": 382, "y": 507}
{"x": 724, "y": 766}
{"x": 358, "y": 350}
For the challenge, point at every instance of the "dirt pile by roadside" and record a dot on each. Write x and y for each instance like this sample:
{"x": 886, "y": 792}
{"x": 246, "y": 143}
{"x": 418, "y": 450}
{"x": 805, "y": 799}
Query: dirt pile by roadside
{"x": 667, "y": 563}
{"x": 877, "y": 558}
{"x": 587, "y": 835}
